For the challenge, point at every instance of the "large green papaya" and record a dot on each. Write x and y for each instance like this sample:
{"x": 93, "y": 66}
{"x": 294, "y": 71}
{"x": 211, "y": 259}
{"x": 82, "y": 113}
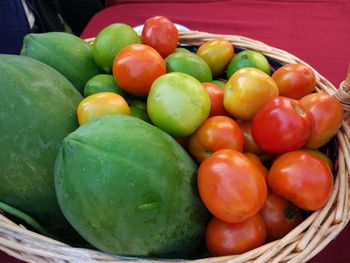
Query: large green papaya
{"x": 129, "y": 188}
{"x": 68, "y": 54}
{"x": 37, "y": 110}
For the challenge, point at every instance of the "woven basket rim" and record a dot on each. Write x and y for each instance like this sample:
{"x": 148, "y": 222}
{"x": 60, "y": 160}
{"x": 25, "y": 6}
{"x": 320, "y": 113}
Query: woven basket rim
{"x": 299, "y": 245}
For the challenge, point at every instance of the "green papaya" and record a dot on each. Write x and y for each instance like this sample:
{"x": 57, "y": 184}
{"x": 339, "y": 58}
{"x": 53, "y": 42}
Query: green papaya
{"x": 129, "y": 188}
{"x": 37, "y": 110}
{"x": 68, "y": 54}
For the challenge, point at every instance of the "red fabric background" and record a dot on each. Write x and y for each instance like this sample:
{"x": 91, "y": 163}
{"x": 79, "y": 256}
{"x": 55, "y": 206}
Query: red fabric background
{"x": 317, "y": 31}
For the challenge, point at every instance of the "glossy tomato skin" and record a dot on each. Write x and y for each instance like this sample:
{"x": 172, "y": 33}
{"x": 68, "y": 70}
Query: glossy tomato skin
{"x": 161, "y": 34}
{"x": 224, "y": 239}
{"x": 216, "y": 133}
{"x": 280, "y": 216}
{"x": 136, "y": 67}
{"x": 216, "y": 95}
{"x": 321, "y": 155}
{"x": 231, "y": 186}
{"x": 217, "y": 53}
{"x": 101, "y": 104}
{"x": 328, "y": 115}
{"x": 257, "y": 161}
{"x": 247, "y": 91}
{"x": 302, "y": 178}
{"x": 282, "y": 125}
{"x": 295, "y": 80}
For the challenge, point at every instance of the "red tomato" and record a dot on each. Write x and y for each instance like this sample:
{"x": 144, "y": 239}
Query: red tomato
{"x": 231, "y": 186}
{"x": 224, "y": 239}
{"x": 282, "y": 125}
{"x": 136, "y": 67}
{"x": 295, "y": 80}
{"x": 280, "y": 216}
{"x": 249, "y": 143}
{"x": 216, "y": 95}
{"x": 161, "y": 34}
{"x": 328, "y": 115}
{"x": 302, "y": 178}
{"x": 216, "y": 133}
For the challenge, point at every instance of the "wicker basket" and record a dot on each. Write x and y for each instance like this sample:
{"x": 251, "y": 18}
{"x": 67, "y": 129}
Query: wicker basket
{"x": 301, "y": 244}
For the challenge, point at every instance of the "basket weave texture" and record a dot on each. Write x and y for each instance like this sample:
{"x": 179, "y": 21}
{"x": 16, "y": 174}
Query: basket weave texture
{"x": 299, "y": 245}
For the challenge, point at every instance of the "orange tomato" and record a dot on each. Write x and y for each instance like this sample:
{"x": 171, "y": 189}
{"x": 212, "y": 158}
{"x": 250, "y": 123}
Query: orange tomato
{"x": 294, "y": 80}
{"x": 321, "y": 155}
{"x": 101, "y": 104}
{"x": 231, "y": 186}
{"x": 256, "y": 160}
{"x": 302, "y": 178}
{"x": 136, "y": 67}
{"x": 216, "y": 133}
{"x": 224, "y": 239}
{"x": 280, "y": 216}
{"x": 328, "y": 117}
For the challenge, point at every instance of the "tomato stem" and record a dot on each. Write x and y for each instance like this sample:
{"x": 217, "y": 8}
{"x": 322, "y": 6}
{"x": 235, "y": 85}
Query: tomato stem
{"x": 290, "y": 211}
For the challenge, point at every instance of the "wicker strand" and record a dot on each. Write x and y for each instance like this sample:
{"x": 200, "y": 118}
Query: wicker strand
{"x": 316, "y": 224}
{"x": 340, "y": 209}
{"x": 299, "y": 245}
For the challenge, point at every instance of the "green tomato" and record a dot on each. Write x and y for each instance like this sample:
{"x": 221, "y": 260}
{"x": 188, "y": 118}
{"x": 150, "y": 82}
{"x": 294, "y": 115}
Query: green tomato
{"x": 139, "y": 109}
{"x": 102, "y": 83}
{"x": 248, "y": 59}
{"x": 190, "y": 64}
{"x": 178, "y": 104}
{"x": 182, "y": 50}
{"x": 219, "y": 83}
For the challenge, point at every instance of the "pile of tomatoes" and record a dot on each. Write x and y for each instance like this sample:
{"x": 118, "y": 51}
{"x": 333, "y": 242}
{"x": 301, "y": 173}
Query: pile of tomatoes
{"x": 256, "y": 139}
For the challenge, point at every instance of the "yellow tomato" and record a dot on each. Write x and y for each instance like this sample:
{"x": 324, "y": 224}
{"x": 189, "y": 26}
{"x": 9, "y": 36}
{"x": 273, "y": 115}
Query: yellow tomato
{"x": 217, "y": 53}
{"x": 101, "y": 104}
{"x": 247, "y": 91}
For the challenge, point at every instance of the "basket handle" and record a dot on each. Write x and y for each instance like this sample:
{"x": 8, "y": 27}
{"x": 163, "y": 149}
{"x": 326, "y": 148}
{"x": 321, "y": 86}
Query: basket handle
{"x": 343, "y": 93}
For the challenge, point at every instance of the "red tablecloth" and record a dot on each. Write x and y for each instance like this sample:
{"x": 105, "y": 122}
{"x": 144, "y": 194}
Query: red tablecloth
{"x": 317, "y": 31}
